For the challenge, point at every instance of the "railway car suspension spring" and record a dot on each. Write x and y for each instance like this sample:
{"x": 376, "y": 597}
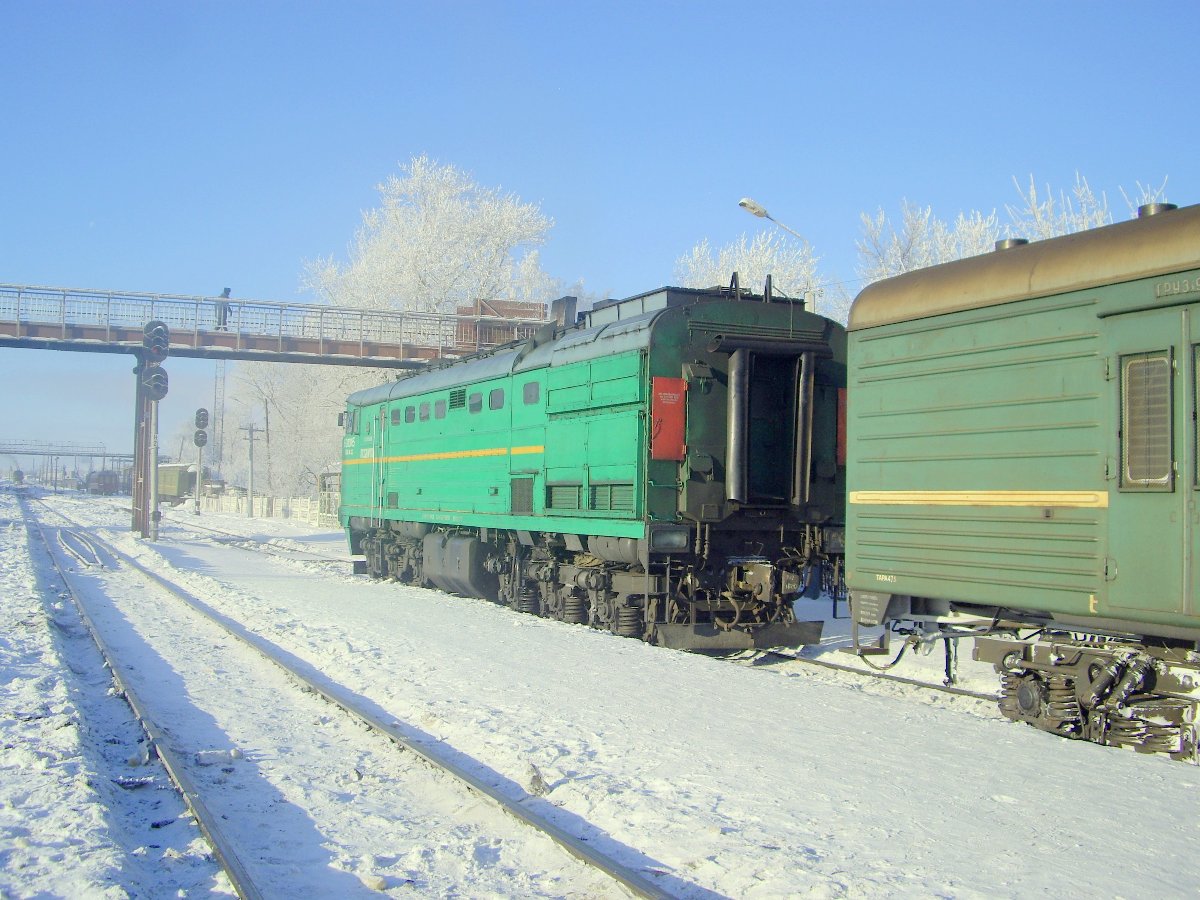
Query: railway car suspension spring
{"x": 629, "y": 621}
{"x": 575, "y": 609}
{"x": 528, "y": 600}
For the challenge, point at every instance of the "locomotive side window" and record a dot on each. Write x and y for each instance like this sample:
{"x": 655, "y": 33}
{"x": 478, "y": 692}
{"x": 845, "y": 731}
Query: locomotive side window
{"x": 424, "y": 413}
{"x": 496, "y": 399}
{"x": 1147, "y": 457}
{"x": 396, "y": 413}
{"x": 410, "y": 414}
{"x": 439, "y": 409}
{"x": 475, "y": 403}
{"x": 531, "y": 393}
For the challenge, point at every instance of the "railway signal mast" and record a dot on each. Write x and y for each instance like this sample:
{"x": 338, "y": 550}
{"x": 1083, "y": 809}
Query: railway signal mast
{"x": 200, "y": 438}
{"x": 151, "y": 388}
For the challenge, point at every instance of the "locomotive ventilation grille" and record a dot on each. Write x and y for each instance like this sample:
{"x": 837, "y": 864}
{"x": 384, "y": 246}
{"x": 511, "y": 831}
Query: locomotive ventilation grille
{"x": 600, "y": 497}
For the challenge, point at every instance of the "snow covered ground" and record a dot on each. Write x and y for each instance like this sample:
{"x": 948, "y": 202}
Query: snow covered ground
{"x": 764, "y": 780}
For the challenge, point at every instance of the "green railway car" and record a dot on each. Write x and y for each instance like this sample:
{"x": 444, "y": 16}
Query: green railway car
{"x": 1023, "y": 454}
{"x": 667, "y": 468}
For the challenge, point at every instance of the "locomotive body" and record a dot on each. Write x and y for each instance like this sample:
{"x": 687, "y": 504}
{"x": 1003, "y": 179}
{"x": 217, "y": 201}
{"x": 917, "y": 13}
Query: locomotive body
{"x": 104, "y": 481}
{"x": 668, "y": 468}
{"x": 1023, "y": 454}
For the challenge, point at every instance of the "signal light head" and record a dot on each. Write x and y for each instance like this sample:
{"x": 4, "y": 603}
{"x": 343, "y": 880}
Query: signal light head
{"x": 156, "y": 340}
{"x": 154, "y": 382}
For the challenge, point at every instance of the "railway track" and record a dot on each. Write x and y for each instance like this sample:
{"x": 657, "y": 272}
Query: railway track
{"x": 242, "y": 542}
{"x": 84, "y": 551}
{"x": 90, "y": 552}
{"x": 870, "y": 674}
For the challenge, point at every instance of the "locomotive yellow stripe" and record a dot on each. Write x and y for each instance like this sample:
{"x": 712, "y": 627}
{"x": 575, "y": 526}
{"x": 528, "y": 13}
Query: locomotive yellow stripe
{"x": 1070, "y": 499}
{"x": 448, "y": 454}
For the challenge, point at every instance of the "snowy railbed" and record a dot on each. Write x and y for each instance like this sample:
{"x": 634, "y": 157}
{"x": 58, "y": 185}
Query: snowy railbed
{"x": 736, "y": 780}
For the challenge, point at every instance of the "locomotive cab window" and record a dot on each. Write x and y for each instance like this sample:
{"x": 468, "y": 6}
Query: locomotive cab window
{"x": 396, "y": 414}
{"x": 410, "y": 414}
{"x": 1147, "y": 446}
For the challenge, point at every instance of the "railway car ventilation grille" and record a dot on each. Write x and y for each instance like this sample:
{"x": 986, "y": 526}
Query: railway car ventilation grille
{"x": 522, "y": 496}
{"x": 1146, "y": 420}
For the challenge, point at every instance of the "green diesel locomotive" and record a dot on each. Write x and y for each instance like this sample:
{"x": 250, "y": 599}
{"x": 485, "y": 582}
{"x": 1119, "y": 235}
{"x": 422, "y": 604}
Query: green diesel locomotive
{"x": 667, "y": 468}
{"x": 1023, "y": 455}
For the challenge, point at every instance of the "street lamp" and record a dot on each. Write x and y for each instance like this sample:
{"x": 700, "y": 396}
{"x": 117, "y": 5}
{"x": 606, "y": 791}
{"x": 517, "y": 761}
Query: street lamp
{"x": 756, "y": 209}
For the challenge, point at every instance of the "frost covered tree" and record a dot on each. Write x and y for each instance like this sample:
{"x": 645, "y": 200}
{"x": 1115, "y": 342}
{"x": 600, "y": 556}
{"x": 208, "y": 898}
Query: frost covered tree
{"x": 437, "y": 241}
{"x": 922, "y": 239}
{"x": 296, "y": 406}
{"x": 791, "y": 263}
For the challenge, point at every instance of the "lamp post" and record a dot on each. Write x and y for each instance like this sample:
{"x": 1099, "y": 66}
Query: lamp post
{"x": 756, "y": 209}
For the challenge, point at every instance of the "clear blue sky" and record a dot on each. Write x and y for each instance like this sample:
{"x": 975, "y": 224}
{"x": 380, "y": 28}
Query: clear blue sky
{"x": 185, "y": 147}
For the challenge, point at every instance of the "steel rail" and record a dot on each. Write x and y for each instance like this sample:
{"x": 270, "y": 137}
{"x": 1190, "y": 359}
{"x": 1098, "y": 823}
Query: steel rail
{"x": 238, "y": 541}
{"x": 883, "y": 676}
{"x": 576, "y": 846}
{"x": 209, "y": 824}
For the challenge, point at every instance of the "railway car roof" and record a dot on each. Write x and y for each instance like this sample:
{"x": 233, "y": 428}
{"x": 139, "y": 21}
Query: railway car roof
{"x": 1152, "y": 245}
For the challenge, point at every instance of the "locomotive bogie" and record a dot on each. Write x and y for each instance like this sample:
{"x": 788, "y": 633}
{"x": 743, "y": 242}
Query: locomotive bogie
{"x": 590, "y": 475}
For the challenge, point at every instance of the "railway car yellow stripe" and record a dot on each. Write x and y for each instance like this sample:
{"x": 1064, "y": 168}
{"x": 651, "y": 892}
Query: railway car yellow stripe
{"x": 448, "y": 454}
{"x": 1070, "y": 499}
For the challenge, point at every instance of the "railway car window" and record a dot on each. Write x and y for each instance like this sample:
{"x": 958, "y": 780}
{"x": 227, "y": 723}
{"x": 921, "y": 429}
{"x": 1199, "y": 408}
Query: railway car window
{"x": 410, "y": 414}
{"x": 1147, "y": 458}
{"x": 424, "y": 413}
{"x": 475, "y": 403}
{"x": 439, "y": 409}
{"x": 396, "y": 413}
{"x": 496, "y": 399}
{"x": 532, "y": 393}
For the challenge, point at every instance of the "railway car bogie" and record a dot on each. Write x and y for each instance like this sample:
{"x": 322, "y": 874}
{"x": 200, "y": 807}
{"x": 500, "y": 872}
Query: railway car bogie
{"x": 1120, "y": 693}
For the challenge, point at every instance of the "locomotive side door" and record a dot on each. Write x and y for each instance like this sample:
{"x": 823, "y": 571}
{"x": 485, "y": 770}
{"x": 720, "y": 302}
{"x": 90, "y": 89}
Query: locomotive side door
{"x": 376, "y": 437}
{"x": 1152, "y": 499}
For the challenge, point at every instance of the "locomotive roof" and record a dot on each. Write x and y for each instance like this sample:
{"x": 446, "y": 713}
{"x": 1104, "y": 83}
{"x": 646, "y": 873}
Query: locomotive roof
{"x": 1152, "y": 245}
{"x": 612, "y": 327}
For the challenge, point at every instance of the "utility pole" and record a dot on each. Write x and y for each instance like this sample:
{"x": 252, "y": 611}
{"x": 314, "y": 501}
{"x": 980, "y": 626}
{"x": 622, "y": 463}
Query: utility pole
{"x": 250, "y": 430}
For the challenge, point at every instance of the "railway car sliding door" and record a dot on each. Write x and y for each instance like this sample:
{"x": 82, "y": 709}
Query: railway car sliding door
{"x": 1152, "y": 501}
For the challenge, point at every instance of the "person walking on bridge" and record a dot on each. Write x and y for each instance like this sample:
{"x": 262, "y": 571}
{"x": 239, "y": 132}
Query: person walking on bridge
{"x": 223, "y": 311}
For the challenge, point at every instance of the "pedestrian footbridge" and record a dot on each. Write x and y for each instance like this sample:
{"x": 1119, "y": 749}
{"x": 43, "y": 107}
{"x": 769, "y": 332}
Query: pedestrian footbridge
{"x": 232, "y": 328}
